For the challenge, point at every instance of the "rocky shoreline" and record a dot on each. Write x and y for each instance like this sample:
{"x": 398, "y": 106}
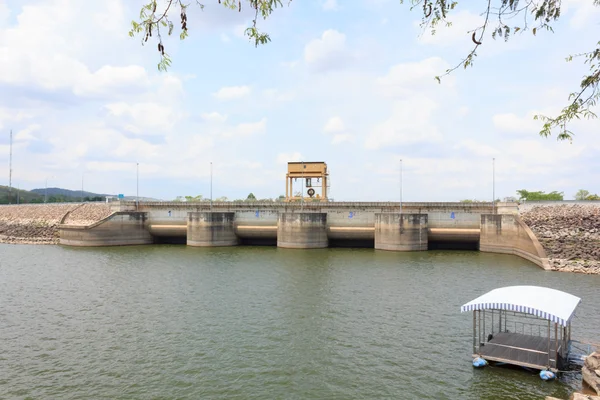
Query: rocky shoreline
{"x": 38, "y": 223}
{"x": 570, "y": 234}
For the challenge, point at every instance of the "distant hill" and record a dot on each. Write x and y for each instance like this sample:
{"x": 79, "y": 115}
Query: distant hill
{"x": 76, "y": 194}
{"x": 57, "y": 195}
{"x": 59, "y": 192}
{"x": 25, "y": 196}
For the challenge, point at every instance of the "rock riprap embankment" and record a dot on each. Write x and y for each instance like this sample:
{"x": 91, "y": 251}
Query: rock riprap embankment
{"x": 87, "y": 214}
{"x": 38, "y": 223}
{"x": 570, "y": 234}
{"x": 591, "y": 371}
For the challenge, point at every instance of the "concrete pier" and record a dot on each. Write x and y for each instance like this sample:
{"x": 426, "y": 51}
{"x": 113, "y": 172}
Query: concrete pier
{"x": 303, "y": 230}
{"x": 208, "y": 229}
{"x": 401, "y": 232}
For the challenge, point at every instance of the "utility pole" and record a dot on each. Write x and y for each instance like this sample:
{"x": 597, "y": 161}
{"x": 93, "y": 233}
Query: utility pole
{"x": 137, "y": 186}
{"x": 211, "y": 186}
{"x": 82, "y": 186}
{"x": 494, "y": 184}
{"x": 10, "y": 170}
{"x": 400, "y": 186}
{"x": 302, "y": 192}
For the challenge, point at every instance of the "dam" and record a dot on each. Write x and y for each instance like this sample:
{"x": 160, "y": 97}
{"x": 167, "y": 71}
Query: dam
{"x": 388, "y": 226}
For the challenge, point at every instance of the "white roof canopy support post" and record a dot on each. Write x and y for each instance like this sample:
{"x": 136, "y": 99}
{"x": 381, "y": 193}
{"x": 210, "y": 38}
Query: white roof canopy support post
{"x": 551, "y": 304}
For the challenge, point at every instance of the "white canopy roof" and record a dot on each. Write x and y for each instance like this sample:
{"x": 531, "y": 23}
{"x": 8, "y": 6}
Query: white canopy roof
{"x": 546, "y": 303}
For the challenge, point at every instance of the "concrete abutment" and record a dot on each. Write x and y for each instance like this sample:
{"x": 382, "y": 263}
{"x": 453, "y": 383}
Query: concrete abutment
{"x": 118, "y": 229}
{"x": 508, "y": 234}
{"x": 211, "y": 229}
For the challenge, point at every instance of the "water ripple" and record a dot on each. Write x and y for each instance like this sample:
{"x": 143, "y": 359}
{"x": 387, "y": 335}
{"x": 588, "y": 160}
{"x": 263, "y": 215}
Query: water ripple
{"x": 255, "y": 323}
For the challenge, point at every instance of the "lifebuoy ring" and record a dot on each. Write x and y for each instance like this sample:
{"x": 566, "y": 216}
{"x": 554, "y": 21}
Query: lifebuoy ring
{"x": 311, "y": 192}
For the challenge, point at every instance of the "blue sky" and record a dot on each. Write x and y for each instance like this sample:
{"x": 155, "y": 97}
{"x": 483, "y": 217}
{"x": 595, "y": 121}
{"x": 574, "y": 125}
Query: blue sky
{"x": 349, "y": 83}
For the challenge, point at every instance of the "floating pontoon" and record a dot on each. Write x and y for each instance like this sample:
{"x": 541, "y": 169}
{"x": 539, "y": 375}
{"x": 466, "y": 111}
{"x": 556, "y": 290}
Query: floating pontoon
{"x": 527, "y": 326}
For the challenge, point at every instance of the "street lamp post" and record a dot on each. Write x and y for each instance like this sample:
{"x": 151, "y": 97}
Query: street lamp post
{"x": 137, "y": 186}
{"x": 400, "y": 186}
{"x": 302, "y": 192}
{"x": 494, "y": 184}
{"x": 211, "y": 185}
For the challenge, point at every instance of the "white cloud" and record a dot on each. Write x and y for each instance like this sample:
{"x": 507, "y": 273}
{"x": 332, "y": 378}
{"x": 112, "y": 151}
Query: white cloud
{"x": 479, "y": 149}
{"x": 525, "y": 125}
{"x": 278, "y": 95}
{"x": 328, "y": 52}
{"x": 26, "y": 134}
{"x": 406, "y": 78}
{"x": 334, "y": 125}
{"x": 284, "y": 158}
{"x": 49, "y": 55}
{"x": 409, "y": 123}
{"x": 342, "y": 138}
{"x": 581, "y": 12}
{"x": 247, "y": 129}
{"x": 213, "y": 117}
{"x": 109, "y": 79}
{"x": 289, "y": 64}
{"x": 509, "y": 122}
{"x": 232, "y": 92}
{"x": 147, "y": 118}
{"x": 41, "y": 50}
{"x": 9, "y": 116}
{"x": 239, "y": 31}
{"x": 114, "y": 166}
{"x": 330, "y": 5}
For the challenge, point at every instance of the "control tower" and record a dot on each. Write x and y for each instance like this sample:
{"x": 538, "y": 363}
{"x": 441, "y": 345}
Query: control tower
{"x": 314, "y": 181}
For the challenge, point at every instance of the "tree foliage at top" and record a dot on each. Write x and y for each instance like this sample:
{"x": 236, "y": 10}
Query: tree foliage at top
{"x": 153, "y": 22}
{"x": 583, "y": 194}
{"x": 502, "y": 19}
{"x": 537, "y": 196}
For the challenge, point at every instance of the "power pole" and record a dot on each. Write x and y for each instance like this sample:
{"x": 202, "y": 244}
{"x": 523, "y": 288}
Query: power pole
{"x": 400, "y": 186}
{"x": 10, "y": 170}
{"x": 302, "y": 192}
{"x": 494, "y": 183}
{"x": 211, "y": 186}
{"x": 137, "y": 186}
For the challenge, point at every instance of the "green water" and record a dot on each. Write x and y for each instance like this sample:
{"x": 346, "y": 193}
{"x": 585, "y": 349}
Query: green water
{"x": 172, "y": 322}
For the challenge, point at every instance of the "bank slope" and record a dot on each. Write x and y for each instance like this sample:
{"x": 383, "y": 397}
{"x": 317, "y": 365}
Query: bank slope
{"x": 570, "y": 234}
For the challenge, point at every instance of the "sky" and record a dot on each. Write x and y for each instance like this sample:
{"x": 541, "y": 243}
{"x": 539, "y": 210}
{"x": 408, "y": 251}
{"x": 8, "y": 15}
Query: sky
{"x": 349, "y": 83}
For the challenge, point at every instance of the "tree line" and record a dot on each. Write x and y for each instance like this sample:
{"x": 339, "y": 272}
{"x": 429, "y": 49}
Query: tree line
{"x": 250, "y": 197}
{"x": 526, "y": 195}
{"x": 14, "y": 199}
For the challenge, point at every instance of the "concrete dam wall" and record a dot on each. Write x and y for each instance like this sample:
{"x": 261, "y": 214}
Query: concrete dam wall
{"x": 418, "y": 227}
